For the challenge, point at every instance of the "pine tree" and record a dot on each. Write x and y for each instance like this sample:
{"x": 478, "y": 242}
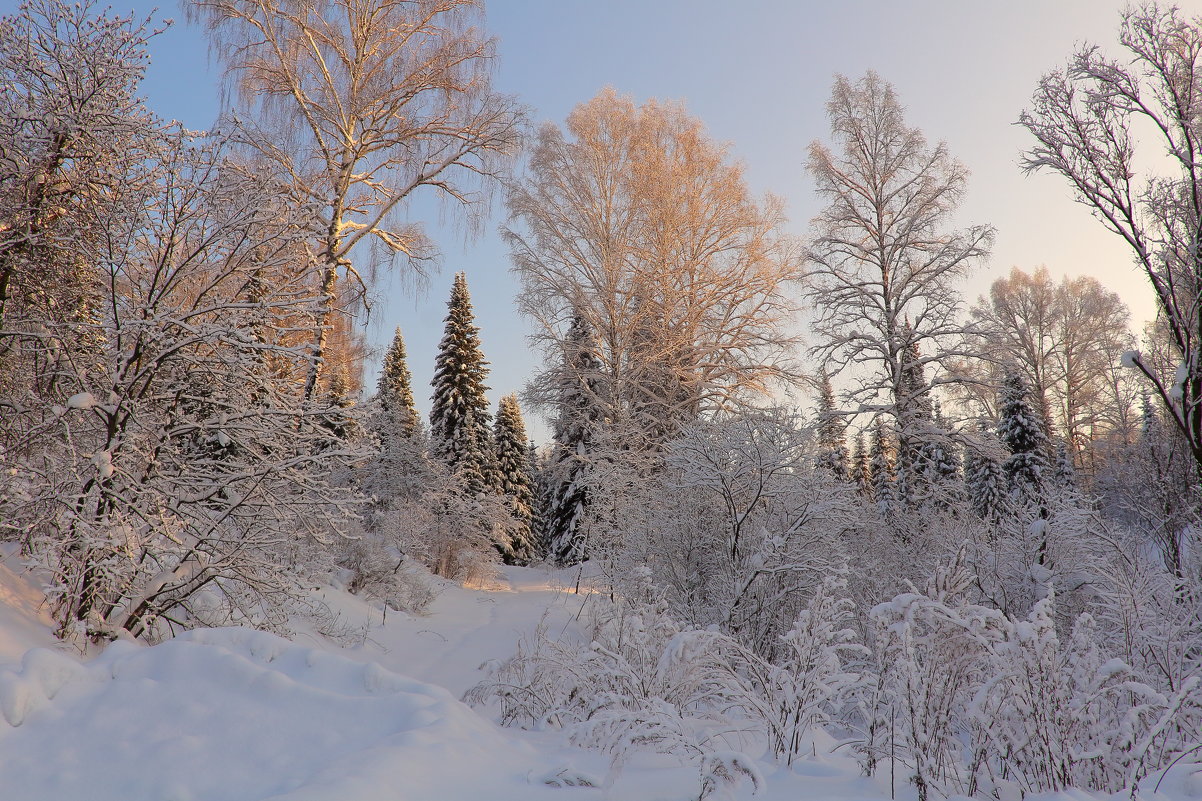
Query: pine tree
{"x": 1022, "y": 432}
{"x": 832, "y": 447}
{"x": 577, "y": 417}
{"x": 395, "y": 389}
{"x": 459, "y": 417}
{"x": 513, "y": 461}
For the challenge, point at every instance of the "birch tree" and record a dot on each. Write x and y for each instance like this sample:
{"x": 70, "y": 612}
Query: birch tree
{"x": 363, "y": 104}
{"x": 1087, "y": 120}
{"x": 634, "y": 220}
{"x": 883, "y": 265}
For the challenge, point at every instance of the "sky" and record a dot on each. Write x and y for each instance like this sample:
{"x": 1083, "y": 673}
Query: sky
{"x": 757, "y": 74}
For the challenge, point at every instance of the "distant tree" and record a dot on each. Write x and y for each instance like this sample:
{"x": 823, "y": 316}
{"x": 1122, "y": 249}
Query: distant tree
{"x": 338, "y": 419}
{"x": 361, "y": 106}
{"x": 861, "y": 470}
{"x": 832, "y": 443}
{"x": 1066, "y": 339}
{"x": 883, "y": 267}
{"x": 395, "y": 389}
{"x": 517, "y": 483}
{"x": 883, "y": 470}
{"x": 1083, "y": 119}
{"x": 459, "y": 416}
{"x": 578, "y": 386}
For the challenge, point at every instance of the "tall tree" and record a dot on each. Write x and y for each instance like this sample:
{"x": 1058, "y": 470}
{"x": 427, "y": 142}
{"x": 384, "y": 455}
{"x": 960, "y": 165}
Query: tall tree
{"x": 517, "y": 482}
{"x": 633, "y": 219}
{"x": 579, "y": 412}
{"x": 361, "y": 104}
{"x": 459, "y": 417}
{"x": 395, "y": 389}
{"x": 883, "y": 264}
{"x": 1083, "y": 119}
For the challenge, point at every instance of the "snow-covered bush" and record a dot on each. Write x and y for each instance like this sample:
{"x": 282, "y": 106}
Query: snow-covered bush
{"x": 644, "y": 682}
{"x": 744, "y": 526}
{"x": 972, "y": 700}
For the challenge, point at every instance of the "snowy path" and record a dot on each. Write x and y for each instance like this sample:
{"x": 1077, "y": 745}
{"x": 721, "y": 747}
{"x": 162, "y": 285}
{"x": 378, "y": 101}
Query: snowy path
{"x": 239, "y": 715}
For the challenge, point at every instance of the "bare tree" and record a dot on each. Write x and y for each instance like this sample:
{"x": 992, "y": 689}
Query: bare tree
{"x": 363, "y": 103}
{"x": 633, "y": 220}
{"x": 1066, "y": 340}
{"x": 1087, "y": 119}
{"x": 883, "y": 266}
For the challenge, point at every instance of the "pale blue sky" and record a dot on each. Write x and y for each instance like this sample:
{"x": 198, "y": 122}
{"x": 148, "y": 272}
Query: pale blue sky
{"x": 758, "y": 74}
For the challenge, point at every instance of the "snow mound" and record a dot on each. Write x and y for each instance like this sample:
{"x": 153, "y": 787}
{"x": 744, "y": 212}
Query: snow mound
{"x": 240, "y": 715}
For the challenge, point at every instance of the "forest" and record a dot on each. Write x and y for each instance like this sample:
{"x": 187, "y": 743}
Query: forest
{"x": 810, "y": 492}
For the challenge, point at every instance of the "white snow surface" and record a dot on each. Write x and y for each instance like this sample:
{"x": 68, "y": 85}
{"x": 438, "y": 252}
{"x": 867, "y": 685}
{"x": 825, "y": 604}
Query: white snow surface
{"x": 240, "y": 715}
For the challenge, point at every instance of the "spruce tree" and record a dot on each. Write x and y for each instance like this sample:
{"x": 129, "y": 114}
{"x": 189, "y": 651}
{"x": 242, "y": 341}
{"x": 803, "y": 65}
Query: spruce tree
{"x": 1065, "y": 473}
{"x": 983, "y": 477}
{"x": 884, "y": 488}
{"x": 459, "y": 417}
{"x": 577, "y": 417}
{"x": 1022, "y": 432}
{"x": 540, "y": 475}
{"x": 832, "y": 447}
{"x": 395, "y": 390}
{"x": 336, "y": 417}
{"x": 513, "y": 462}
{"x": 861, "y": 469}
{"x": 914, "y": 417}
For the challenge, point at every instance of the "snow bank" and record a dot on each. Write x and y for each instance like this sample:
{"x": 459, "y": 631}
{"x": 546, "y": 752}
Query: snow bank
{"x": 240, "y": 715}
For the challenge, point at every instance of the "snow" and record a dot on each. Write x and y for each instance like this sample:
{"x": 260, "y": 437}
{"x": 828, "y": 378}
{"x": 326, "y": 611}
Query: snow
{"x": 81, "y": 400}
{"x": 239, "y": 715}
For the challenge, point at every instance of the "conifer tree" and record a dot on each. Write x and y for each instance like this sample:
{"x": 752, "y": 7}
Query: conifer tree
{"x": 459, "y": 417}
{"x": 1065, "y": 474}
{"x": 1022, "y": 432}
{"x": 517, "y": 484}
{"x": 395, "y": 389}
{"x": 540, "y": 475}
{"x": 861, "y": 469}
{"x": 884, "y": 488}
{"x": 337, "y": 417}
{"x": 832, "y": 447}
{"x": 577, "y": 418}
{"x": 983, "y": 478}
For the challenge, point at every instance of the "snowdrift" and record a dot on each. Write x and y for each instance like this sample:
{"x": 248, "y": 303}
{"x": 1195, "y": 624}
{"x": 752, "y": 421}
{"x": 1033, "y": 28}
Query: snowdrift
{"x": 240, "y": 715}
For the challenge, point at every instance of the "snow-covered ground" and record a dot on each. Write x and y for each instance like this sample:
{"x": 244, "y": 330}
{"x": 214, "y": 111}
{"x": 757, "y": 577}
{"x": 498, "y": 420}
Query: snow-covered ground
{"x": 239, "y": 715}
